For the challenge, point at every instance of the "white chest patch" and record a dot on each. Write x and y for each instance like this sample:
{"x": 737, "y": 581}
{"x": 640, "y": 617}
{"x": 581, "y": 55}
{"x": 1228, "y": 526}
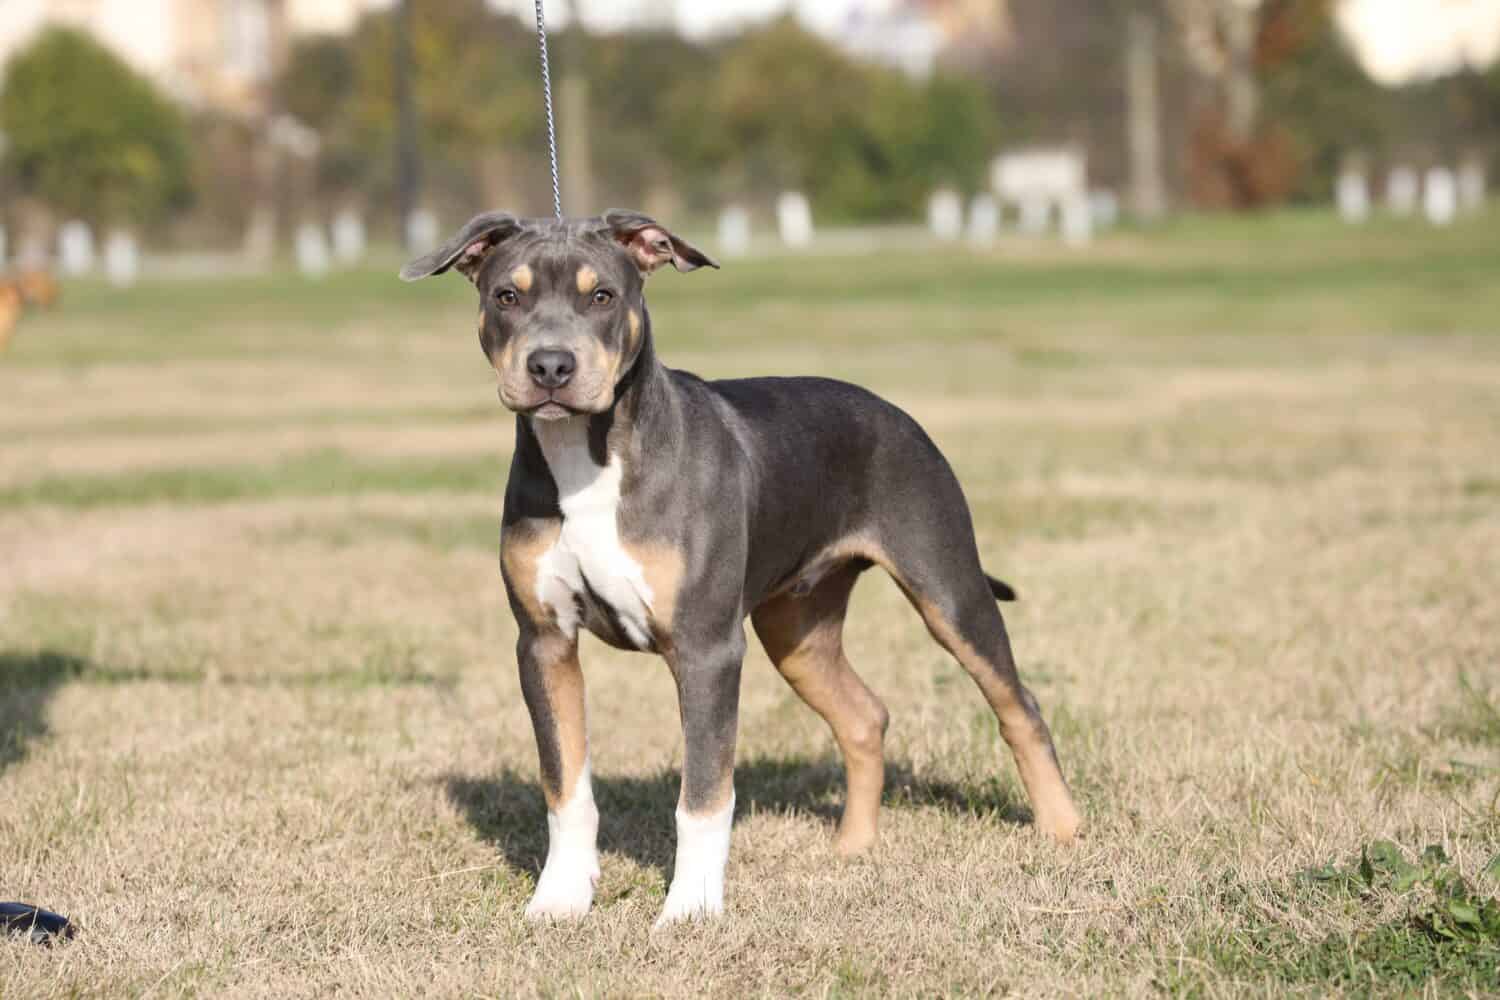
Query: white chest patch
{"x": 588, "y": 556}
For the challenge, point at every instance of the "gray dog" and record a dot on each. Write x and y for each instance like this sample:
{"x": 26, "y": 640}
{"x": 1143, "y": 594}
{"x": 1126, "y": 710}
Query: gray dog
{"x": 658, "y": 510}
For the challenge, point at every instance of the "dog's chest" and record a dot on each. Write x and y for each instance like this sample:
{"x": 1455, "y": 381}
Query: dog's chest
{"x": 588, "y": 577}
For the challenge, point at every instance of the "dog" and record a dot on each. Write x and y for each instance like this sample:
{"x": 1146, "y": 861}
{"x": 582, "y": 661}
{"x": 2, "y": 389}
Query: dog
{"x": 658, "y": 511}
{"x": 38, "y": 288}
{"x": 11, "y": 307}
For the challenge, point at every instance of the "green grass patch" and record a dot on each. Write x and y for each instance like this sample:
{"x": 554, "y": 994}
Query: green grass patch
{"x": 1286, "y": 273}
{"x": 46, "y": 668}
{"x": 1420, "y": 927}
{"x": 323, "y": 472}
{"x": 445, "y": 534}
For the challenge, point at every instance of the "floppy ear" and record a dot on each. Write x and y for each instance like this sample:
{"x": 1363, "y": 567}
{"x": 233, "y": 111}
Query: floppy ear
{"x": 651, "y": 244}
{"x": 467, "y": 249}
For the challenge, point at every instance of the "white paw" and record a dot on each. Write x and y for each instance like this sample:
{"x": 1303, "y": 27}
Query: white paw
{"x": 698, "y": 876}
{"x": 566, "y": 889}
{"x": 690, "y": 902}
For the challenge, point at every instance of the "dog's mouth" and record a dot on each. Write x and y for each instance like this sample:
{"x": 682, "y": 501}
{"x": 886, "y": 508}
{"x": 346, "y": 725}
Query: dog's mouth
{"x": 551, "y": 410}
{"x": 549, "y": 407}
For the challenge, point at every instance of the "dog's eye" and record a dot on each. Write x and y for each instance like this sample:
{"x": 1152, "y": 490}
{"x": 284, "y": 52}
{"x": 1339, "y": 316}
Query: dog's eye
{"x": 507, "y": 297}
{"x": 603, "y": 297}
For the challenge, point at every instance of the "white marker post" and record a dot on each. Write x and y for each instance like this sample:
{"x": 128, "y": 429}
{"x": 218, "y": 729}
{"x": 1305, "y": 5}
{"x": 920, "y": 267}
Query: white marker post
{"x": 1104, "y": 206}
{"x": 312, "y": 251}
{"x": 348, "y": 237}
{"x": 421, "y": 231}
{"x": 794, "y": 219}
{"x": 122, "y": 259}
{"x": 945, "y": 215}
{"x": 984, "y": 220}
{"x": 734, "y": 231}
{"x": 1402, "y": 190}
{"x": 1440, "y": 198}
{"x": 1352, "y": 192}
{"x": 1077, "y": 221}
{"x": 1471, "y": 185}
{"x": 75, "y": 248}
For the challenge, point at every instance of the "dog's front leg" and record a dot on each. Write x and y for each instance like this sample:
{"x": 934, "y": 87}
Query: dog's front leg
{"x": 552, "y": 683}
{"x": 708, "y": 691}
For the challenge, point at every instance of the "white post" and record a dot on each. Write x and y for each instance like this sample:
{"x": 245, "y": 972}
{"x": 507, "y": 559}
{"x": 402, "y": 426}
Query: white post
{"x": 75, "y": 248}
{"x": 794, "y": 219}
{"x": 348, "y": 237}
{"x": 1353, "y": 196}
{"x": 984, "y": 220}
{"x": 1402, "y": 191}
{"x": 1104, "y": 206}
{"x": 945, "y": 215}
{"x": 734, "y": 231}
{"x": 421, "y": 231}
{"x": 1471, "y": 185}
{"x": 1440, "y": 201}
{"x": 312, "y": 250}
{"x": 122, "y": 259}
{"x": 1036, "y": 215}
{"x": 1077, "y": 221}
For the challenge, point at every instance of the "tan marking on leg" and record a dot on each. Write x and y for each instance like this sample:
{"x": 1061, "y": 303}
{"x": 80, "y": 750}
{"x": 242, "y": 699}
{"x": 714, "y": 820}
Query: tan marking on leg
{"x": 1051, "y": 802}
{"x": 588, "y": 279}
{"x": 804, "y": 638}
{"x": 522, "y": 278}
{"x": 565, "y": 694}
{"x": 520, "y": 547}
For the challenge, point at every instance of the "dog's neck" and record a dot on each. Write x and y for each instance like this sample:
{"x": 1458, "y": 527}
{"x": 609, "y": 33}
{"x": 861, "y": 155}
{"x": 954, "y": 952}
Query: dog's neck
{"x": 644, "y": 411}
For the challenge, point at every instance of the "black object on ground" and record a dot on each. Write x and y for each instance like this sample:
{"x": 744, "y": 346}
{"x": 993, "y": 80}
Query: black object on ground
{"x": 41, "y": 926}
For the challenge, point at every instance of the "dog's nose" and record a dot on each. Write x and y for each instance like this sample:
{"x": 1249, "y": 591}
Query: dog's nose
{"x": 551, "y": 369}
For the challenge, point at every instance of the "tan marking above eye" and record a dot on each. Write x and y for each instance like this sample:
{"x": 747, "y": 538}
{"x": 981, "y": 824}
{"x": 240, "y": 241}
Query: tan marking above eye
{"x": 522, "y": 278}
{"x": 588, "y": 280}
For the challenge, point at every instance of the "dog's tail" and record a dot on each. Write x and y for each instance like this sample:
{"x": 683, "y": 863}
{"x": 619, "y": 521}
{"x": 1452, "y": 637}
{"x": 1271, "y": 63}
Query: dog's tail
{"x": 1002, "y": 590}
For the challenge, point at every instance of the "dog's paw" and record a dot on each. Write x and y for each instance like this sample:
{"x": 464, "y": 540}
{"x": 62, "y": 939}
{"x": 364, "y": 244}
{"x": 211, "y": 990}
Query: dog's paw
{"x": 700, "y": 901}
{"x": 565, "y": 891}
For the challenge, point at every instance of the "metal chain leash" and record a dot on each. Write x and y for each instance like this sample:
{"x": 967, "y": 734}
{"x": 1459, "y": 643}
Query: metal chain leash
{"x": 541, "y": 41}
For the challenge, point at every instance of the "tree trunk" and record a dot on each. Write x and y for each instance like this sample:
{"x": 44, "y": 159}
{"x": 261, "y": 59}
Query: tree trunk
{"x": 1241, "y": 95}
{"x": 1148, "y": 190}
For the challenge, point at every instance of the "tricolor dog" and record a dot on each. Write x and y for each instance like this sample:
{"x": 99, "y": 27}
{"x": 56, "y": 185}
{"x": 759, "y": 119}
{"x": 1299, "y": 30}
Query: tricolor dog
{"x": 658, "y": 511}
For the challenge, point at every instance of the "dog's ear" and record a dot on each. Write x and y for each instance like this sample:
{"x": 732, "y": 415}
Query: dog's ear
{"x": 651, "y": 244}
{"x": 467, "y": 249}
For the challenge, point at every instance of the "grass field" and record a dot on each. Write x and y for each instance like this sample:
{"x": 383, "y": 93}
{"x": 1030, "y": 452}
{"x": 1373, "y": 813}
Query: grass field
{"x": 260, "y": 730}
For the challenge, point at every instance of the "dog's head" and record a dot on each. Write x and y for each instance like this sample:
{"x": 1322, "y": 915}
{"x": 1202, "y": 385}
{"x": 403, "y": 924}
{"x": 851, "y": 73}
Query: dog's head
{"x": 562, "y": 313}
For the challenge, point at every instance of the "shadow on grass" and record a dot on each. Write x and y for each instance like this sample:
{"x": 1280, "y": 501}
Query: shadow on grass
{"x": 27, "y": 683}
{"x": 30, "y": 678}
{"x": 635, "y": 813}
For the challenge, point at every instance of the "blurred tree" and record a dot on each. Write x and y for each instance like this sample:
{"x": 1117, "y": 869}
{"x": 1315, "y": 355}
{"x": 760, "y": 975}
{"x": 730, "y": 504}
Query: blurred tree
{"x": 1130, "y": 48}
{"x": 90, "y": 137}
{"x": 1314, "y": 89}
{"x": 476, "y": 92}
{"x": 773, "y": 108}
{"x": 787, "y": 110}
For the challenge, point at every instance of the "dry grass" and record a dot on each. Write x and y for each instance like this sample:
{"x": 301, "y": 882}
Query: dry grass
{"x": 267, "y": 737}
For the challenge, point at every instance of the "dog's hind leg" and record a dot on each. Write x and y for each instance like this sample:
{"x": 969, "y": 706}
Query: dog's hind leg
{"x": 803, "y": 636}
{"x": 960, "y": 612}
